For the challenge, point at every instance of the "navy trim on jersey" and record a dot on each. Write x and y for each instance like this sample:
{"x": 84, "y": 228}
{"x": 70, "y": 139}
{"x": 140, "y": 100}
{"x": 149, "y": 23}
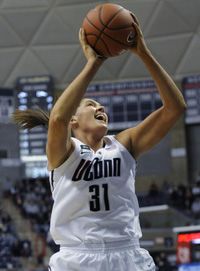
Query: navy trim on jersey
{"x": 52, "y": 180}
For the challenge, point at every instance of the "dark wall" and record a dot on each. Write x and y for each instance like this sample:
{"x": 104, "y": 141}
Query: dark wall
{"x": 193, "y": 151}
{"x": 10, "y": 165}
{"x": 157, "y": 161}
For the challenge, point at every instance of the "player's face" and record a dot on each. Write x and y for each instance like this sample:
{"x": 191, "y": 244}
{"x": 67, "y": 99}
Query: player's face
{"x": 91, "y": 116}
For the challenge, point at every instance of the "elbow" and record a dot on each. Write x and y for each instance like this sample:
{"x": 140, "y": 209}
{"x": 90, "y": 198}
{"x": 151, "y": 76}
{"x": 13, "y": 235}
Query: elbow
{"x": 175, "y": 112}
{"x": 57, "y": 119}
{"x": 185, "y": 106}
{"x": 181, "y": 108}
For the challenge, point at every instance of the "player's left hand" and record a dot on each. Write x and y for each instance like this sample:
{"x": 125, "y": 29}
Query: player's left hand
{"x": 139, "y": 47}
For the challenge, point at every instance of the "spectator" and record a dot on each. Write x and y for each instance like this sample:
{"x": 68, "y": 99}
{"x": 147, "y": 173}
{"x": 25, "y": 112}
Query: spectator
{"x": 196, "y": 207}
{"x": 197, "y": 180}
{"x": 153, "y": 190}
{"x": 188, "y": 199}
{"x": 154, "y": 195}
{"x": 7, "y": 184}
{"x": 196, "y": 189}
{"x": 26, "y": 248}
{"x": 9, "y": 243}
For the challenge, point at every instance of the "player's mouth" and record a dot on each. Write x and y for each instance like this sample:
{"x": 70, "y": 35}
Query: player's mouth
{"x": 101, "y": 117}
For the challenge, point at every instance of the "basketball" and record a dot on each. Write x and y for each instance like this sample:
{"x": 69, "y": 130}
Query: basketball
{"x": 109, "y": 29}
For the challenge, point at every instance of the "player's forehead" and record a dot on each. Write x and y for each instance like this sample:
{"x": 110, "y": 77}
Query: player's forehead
{"x": 85, "y": 101}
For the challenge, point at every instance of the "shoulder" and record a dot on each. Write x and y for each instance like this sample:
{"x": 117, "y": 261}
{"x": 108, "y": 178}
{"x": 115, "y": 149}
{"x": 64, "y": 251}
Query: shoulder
{"x": 74, "y": 150}
{"x": 126, "y": 138}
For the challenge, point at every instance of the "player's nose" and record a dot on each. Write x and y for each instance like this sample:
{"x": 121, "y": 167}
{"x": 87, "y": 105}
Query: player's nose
{"x": 101, "y": 109}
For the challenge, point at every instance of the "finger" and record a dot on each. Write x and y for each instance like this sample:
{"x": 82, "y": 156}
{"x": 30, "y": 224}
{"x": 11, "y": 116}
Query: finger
{"x": 134, "y": 24}
{"x": 137, "y": 28}
{"x": 134, "y": 44}
{"x": 135, "y": 18}
{"x": 80, "y": 35}
{"x": 83, "y": 38}
{"x": 103, "y": 58}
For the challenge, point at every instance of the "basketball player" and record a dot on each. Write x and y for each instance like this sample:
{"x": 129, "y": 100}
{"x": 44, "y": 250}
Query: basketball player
{"x": 95, "y": 216}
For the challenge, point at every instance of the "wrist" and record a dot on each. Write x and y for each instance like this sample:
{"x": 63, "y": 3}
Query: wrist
{"x": 91, "y": 68}
{"x": 143, "y": 54}
{"x": 94, "y": 63}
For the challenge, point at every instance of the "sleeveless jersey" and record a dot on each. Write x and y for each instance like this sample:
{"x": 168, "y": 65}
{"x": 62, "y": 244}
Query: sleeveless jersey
{"x": 94, "y": 196}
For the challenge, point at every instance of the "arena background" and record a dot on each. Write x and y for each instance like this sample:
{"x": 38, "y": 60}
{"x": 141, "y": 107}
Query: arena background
{"x": 40, "y": 55}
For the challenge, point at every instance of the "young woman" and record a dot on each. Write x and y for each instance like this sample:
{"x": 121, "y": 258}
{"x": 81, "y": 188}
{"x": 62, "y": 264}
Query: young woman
{"x": 95, "y": 216}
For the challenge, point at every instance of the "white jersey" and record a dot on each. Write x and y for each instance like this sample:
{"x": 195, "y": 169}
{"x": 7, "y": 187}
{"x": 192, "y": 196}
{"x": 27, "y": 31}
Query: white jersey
{"x": 94, "y": 196}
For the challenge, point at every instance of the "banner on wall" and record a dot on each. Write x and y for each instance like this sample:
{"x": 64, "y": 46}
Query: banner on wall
{"x": 126, "y": 103}
{"x": 34, "y": 92}
{"x": 188, "y": 248}
{"x": 191, "y": 90}
{"x": 7, "y": 104}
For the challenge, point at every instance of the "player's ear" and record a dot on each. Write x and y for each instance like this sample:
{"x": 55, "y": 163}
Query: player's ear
{"x": 74, "y": 122}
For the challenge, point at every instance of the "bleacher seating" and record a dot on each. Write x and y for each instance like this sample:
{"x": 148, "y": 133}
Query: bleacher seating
{"x": 11, "y": 246}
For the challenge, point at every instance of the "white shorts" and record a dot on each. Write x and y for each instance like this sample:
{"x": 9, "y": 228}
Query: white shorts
{"x": 113, "y": 256}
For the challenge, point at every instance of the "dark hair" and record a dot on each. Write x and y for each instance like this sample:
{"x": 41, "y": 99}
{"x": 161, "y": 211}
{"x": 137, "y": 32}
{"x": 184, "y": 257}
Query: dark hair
{"x": 30, "y": 118}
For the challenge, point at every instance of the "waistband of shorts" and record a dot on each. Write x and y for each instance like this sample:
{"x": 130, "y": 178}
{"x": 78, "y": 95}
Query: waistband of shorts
{"x": 103, "y": 246}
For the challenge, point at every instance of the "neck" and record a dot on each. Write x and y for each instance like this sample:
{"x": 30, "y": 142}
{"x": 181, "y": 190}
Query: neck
{"x": 93, "y": 142}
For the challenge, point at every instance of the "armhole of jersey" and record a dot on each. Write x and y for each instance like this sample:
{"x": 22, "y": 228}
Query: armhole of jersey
{"x": 59, "y": 170}
{"x": 51, "y": 178}
{"x": 112, "y": 137}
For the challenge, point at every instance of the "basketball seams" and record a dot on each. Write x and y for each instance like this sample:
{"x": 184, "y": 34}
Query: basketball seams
{"x": 100, "y": 15}
{"x": 106, "y": 46}
{"x": 112, "y": 18}
{"x": 118, "y": 41}
{"x": 105, "y": 35}
{"x": 105, "y": 26}
{"x": 101, "y": 31}
{"x": 101, "y": 27}
{"x": 91, "y": 23}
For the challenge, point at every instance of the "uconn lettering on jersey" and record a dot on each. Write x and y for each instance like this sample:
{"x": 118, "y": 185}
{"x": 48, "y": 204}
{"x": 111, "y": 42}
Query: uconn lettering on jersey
{"x": 88, "y": 170}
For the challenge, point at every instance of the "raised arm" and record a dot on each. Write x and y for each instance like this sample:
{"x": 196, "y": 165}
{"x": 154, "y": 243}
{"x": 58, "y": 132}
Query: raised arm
{"x": 59, "y": 144}
{"x": 151, "y": 130}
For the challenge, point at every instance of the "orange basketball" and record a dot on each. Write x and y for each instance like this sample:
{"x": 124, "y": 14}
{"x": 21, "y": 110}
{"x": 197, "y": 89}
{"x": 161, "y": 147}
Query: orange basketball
{"x": 109, "y": 29}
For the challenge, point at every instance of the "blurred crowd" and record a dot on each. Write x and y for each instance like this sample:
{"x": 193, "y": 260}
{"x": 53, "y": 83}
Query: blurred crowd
{"x": 12, "y": 248}
{"x": 33, "y": 198}
{"x": 163, "y": 261}
{"x": 182, "y": 197}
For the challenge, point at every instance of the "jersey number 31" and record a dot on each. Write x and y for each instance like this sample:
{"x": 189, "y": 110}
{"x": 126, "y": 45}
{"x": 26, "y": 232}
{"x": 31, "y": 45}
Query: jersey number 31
{"x": 96, "y": 191}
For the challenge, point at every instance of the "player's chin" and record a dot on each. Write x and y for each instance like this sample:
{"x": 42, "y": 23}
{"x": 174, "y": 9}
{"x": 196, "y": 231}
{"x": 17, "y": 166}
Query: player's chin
{"x": 102, "y": 127}
{"x": 103, "y": 124}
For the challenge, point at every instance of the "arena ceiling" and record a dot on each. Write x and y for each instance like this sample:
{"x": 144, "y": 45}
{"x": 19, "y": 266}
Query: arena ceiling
{"x": 41, "y": 37}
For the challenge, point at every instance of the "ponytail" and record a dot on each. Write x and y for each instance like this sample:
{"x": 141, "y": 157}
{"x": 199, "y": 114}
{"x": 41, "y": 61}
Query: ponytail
{"x": 30, "y": 118}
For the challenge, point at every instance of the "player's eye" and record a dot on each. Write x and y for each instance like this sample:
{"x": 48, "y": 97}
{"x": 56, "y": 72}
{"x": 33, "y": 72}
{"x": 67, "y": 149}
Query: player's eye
{"x": 90, "y": 104}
